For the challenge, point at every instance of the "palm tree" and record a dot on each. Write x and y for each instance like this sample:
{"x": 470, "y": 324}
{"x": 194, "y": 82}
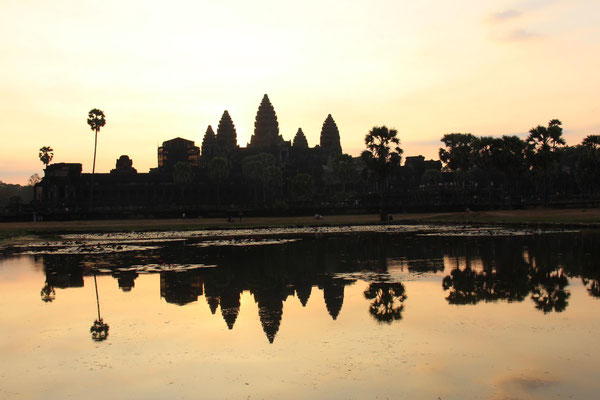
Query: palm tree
{"x": 96, "y": 120}
{"x": 46, "y": 155}
{"x": 543, "y": 142}
{"x": 588, "y": 164}
{"x": 383, "y": 154}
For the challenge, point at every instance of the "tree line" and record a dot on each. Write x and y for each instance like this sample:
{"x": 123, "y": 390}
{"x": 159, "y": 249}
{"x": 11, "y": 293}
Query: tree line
{"x": 541, "y": 167}
{"x": 482, "y": 171}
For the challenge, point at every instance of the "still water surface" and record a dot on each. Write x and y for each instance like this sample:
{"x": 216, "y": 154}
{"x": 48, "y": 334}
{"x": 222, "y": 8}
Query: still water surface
{"x": 414, "y": 312}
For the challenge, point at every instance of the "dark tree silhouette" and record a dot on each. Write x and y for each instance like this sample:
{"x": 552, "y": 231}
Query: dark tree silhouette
{"x": 46, "y": 155}
{"x": 382, "y": 156}
{"x": 218, "y": 171}
{"x": 96, "y": 120}
{"x": 255, "y": 169}
{"x": 588, "y": 164}
{"x": 458, "y": 154}
{"x": 543, "y": 142}
{"x": 34, "y": 179}
{"x": 345, "y": 171}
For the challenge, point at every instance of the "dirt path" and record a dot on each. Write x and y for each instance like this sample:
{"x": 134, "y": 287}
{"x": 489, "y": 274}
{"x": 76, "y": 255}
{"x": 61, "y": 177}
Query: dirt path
{"x": 587, "y": 217}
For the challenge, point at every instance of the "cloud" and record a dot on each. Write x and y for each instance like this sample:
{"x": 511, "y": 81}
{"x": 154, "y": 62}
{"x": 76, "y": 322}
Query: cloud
{"x": 518, "y": 35}
{"x": 504, "y": 15}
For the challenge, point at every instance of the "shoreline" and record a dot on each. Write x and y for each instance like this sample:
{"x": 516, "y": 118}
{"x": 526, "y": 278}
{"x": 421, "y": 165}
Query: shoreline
{"x": 541, "y": 217}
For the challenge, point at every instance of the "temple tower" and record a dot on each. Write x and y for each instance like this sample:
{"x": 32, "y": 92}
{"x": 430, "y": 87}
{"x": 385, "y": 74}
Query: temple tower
{"x": 266, "y": 127}
{"x": 226, "y": 134}
{"x": 209, "y": 143}
{"x": 300, "y": 141}
{"x": 230, "y": 306}
{"x": 330, "y": 137}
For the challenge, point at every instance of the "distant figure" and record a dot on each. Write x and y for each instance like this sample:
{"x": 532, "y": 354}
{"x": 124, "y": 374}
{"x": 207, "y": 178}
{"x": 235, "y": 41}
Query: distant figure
{"x": 468, "y": 210}
{"x": 240, "y": 213}
{"x": 183, "y": 215}
{"x": 390, "y": 217}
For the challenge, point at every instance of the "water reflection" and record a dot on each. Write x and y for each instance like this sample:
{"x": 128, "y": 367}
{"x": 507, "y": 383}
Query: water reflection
{"x": 473, "y": 270}
{"x": 499, "y": 271}
{"x": 99, "y": 328}
{"x": 387, "y": 300}
{"x": 48, "y": 293}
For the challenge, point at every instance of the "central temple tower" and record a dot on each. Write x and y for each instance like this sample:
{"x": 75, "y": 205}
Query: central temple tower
{"x": 266, "y": 127}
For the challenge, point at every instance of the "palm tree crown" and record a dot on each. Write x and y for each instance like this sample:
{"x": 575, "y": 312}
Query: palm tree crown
{"x": 46, "y": 154}
{"x": 96, "y": 119}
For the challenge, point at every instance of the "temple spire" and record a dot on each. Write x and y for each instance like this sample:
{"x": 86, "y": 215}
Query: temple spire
{"x": 209, "y": 143}
{"x": 226, "y": 134}
{"x": 266, "y": 127}
{"x": 330, "y": 137}
{"x": 300, "y": 141}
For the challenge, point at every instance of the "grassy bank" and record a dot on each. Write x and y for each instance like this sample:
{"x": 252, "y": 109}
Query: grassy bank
{"x": 568, "y": 217}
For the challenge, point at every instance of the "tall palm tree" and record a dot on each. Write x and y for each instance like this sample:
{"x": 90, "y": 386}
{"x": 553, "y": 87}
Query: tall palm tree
{"x": 96, "y": 120}
{"x": 383, "y": 154}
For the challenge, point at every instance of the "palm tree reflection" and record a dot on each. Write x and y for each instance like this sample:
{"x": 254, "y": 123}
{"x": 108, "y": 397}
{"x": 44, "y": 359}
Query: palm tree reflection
{"x": 548, "y": 290}
{"x": 387, "y": 301}
{"x": 99, "y": 328}
{"x": 592, "y": 286}
{"x": 47, "y": 293}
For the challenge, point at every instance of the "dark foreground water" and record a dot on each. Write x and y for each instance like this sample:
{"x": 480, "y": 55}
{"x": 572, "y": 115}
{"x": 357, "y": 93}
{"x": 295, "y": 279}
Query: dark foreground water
{"x": 406, "y": 312}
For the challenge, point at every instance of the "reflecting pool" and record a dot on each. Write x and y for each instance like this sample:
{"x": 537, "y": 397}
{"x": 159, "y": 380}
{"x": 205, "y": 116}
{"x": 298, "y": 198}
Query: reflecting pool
{"x": 413, "y": 312}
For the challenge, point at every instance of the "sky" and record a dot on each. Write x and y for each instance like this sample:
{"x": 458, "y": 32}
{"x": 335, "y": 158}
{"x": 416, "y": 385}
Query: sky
{"x": 161, "y": 70}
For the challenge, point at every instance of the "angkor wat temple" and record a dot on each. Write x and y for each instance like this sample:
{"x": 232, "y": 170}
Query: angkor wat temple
{"x": 185, "y": 179}
{"x": 270, "y": 174}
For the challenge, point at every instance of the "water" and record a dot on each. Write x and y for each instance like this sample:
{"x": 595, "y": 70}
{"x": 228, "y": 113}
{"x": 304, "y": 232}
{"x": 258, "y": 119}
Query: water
{"x": 406, "y": 312}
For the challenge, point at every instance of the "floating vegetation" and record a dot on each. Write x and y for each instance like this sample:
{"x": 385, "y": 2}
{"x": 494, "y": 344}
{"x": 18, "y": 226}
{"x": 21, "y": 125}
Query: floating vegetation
{"x": 478, "y": 231}
{"x": 179, "y": 235}
{"x": 243, "y": 242}
{"x": 153, "y": 268}
{"x": 116, "y": 242}
{"x": 94, "y": 248}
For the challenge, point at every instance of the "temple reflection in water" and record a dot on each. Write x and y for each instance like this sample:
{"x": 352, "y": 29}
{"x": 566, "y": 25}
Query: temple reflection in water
{"x": 473, "y": 270}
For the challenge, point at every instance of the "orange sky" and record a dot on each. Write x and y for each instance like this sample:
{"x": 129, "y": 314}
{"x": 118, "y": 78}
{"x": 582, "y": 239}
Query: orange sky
{"x": 165, "y": 69}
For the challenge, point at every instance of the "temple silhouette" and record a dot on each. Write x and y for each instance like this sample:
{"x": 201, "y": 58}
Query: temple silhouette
{"x": 253, "y": 177}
